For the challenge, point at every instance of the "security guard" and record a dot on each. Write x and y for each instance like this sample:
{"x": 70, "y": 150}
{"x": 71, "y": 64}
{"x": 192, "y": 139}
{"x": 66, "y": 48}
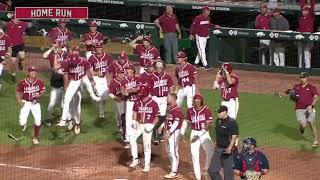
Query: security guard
{"x": 226, "y": 135}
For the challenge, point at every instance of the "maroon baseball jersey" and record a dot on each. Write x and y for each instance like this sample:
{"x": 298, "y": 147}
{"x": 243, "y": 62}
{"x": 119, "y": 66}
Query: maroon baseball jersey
{"x": 168, "y": 23}
{"x": 146, "y": 55}
{"x": 186, "y": 75}
{"x": 160, "y": 84}
{"x": 130, "y": 83}
{"x": 305, "y": 95}
{"x": 75, "y": 72}
{"x": 145, "y": 78}
{"x": 263, "y": 21}
{"x": 117, "y": 65}
{"x": 146, "y": 111}
{"x": 60, "y": 57}
{"x": 59, "y": 35}
{"x": 229, "y": 91}
{"x": 199, "y": 118}
{"x": 115, "y": 88}
{"x": 200, "y": 26}
{"x": 5, "y": 43}
{"x": 94, "y": 37}
{"x": 306, "y": 23}
{"x": 101, "y": 64}
{"x": 29, "y": 90}
{"x": 175, "y": 114}
{"x": 16, "y": 32}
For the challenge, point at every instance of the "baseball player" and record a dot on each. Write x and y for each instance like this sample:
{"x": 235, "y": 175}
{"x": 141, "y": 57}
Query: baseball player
{"x": 161, "y": 84}
{"x": 172, "y": 125}
{"x": 146, "y": 75}
{"x": 100, "y": 62}
{"x": 60, "y": 34}
{"x": 200, "y": 117}
{"x": 75, "y": 69}
{"x": 5, "y": 51}
{"x": 117, "y": 96}
{"x": 146, "y": 51}
{"x": 129, "y": 89}
{"x": 91, "y": 38}
{"x": 15, "y": 29}
{"x": 122, "y": 63}
{"x": 250, "y": 164}
{"x": 186, "y": 75}
{"x": 55, "y": 56}
{"x": 29, "y": 91}
{"x": 145, "y": 117}
{"x": 305, "y": 95}
{"x": 228, "y": 83}
{"x": 199, "y": 30}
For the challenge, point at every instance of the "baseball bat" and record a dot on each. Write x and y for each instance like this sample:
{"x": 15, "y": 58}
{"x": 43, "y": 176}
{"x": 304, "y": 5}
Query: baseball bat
{"x": 12, "y": 137}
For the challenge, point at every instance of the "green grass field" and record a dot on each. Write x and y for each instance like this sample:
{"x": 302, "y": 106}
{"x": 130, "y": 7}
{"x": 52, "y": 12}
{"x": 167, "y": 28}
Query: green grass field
{"x": 270, "y": 119}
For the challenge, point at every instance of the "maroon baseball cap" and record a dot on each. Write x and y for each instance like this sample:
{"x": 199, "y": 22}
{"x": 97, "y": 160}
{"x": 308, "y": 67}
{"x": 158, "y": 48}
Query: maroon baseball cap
{"x": 199, "y": 97}
{"x": 205, "y": 8}
{"x": 306, "y": 8}
{"x": 32, "y": 68}
{"x": 181, "y": 54}
{"x": 93, "y": 24}
{"x": 99, "y": 45}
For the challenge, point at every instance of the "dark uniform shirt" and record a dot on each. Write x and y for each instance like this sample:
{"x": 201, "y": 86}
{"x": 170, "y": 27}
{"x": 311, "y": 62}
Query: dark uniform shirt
{"x": 56, "y": 80}
{"x": 225, "y": 128}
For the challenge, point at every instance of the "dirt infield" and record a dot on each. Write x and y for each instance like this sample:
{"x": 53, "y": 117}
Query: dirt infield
{"x": 109, "y": 161}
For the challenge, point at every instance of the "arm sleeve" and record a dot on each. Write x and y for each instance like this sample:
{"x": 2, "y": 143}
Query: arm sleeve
{"x": 264, "y": 163}
{"x": 234, "y": 128}
{"x": 315, "y": 91}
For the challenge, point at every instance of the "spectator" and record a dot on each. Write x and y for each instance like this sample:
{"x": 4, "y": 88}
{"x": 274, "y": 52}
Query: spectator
{"x": 279, "y": 23}
{"x": 263, "y": 22}
{"x": 6, "y": 6}
{"x": 305, "y": 25}
{"x": 168, "y": 24}
{"x": 200, "y": 29}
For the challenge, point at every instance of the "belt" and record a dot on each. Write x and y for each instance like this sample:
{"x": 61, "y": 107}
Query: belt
{"x": 101, "y": 76}
{"x": 231, "y": 99}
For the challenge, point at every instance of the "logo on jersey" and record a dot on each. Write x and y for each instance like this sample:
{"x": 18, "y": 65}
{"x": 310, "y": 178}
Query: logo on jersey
{"x": 183, "y": 73}
{"x": 147, "y": 55}
{"x": 160, "y": 83}
{"x": 31, "y": 89}
{"x": 78, "y": 69}
{"x": 200, "y": 117}
{"x": 145, "y": 110}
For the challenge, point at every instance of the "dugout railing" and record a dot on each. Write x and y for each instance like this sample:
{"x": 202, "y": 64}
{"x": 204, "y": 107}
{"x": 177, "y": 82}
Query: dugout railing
{"x": 242, "y": 48}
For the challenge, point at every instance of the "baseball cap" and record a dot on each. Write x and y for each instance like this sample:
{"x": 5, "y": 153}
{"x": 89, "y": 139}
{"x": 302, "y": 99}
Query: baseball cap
{"x": 306, "y": 8}
{"x": 93, "y": 24}
{"x": 181, "y": 54}
{"x": 205, "y": 8}
{"x": 159, "y": 64}
{"x": 99, "y": 45}
{"x": 222, "y": 108}
{"x": 32, "y": 68}
{"x": 276, "y": 10}
{"x": 304, "y": 75}
{"x": 198, "y": 96}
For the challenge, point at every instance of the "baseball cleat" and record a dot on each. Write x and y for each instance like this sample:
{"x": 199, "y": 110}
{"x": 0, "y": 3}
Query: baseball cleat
{"x": 134, "y": 163}
{"x": 77, "y": 129}
{"x": 62, "y": 123}
{"x": 208, "y": 68}
{"x": 197, "y": 66}
{"x": 172, "y": 175}
{"x": 301, "y": 130}
{"x": 146, "y": 169}
{"x": 315, "y": 144}
{"x": 156, "y": 142}
{"x": 24, "y": 127}
{"x": 101, "y": 115}
{"x": 70, "y": 125}
{"x": 35, "y": 141}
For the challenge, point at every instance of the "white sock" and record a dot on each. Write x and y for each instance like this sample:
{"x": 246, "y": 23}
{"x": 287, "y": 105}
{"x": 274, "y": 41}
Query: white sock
{"x": 1, "y": 68}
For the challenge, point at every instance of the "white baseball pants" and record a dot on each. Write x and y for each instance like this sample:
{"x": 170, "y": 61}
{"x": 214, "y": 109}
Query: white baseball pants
{"x": 129, "y": 116}
{"x": 72, "y": 88}
{"x": 25, "y": 110}
{"x": 206, "y": 142}
{"x": 121, "y": 109}
{"x": 189, "y": 92}
{"x": 102, "y": 89}
{"x": 56, "y": 95}
{"x": 201, "y": 45}
{"x": 173, "y": 150}
{"x": 162, "y": 103}
{"x": 136, "y": 133}
{"x": 233, "y": 107}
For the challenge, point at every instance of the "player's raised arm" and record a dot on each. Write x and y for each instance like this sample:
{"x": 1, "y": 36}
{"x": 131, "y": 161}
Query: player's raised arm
{"x": 133, "y": 43}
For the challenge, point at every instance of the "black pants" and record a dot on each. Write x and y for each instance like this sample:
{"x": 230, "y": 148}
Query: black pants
{"x": 220, "y": 160}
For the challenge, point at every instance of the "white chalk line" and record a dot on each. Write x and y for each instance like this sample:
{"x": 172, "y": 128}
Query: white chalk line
{"x": 31, "y": 168}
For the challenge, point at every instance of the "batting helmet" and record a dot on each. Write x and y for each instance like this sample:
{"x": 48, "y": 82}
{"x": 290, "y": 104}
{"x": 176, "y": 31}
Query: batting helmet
{"x": 227, "y": 66}
{"x": 199, "y": 97}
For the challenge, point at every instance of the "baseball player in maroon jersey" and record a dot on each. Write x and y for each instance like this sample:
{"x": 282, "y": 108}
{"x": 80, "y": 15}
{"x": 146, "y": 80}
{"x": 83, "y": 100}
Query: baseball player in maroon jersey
{"x": 200, "y": 117}
{"x": 55, "y": 56}
{"x": 262, "y": 21}
{"x": 75, "y": 69}
{"x": 91, "y": 38}
{"x": 122, "y": 63}
{"x": 227, "y": 81}
{"x": 29, "y": 91}
{"x": 5, "y": 51}
{"x": 199, "y": 30}
{"x": 186, "y": 75}
{"x": 100, "y": 63}
{"x": 129, "y": 89}
{"x": 172, "y": 125}
{"x": 60, "y": 34}
{"x": 117, "y": 96}
{"x": 146, "y": 51}
{"x": 145, "y": 117}
{"x": 161, "y": 84}
{"x": 15, "y": 29}
{"x": 306, "y": 96}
